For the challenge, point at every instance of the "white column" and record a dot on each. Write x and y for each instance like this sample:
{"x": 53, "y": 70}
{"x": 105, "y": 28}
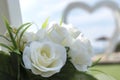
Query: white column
{"x": 11, "y": 10}
{"x": 14, "y": 12}
{"x": 3, "y": 12}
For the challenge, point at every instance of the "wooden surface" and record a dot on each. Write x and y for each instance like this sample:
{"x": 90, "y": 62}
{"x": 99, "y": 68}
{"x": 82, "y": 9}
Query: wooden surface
{"x": 113, "y": 58}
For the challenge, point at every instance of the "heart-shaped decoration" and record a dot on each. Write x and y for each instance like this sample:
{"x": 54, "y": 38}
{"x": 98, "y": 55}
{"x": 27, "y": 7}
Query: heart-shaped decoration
{"x": 109, "y": 4}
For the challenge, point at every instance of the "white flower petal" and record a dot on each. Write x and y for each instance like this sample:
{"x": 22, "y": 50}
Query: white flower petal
{"x": 47, "y": 58}
{"x": 73, "y": 31}
{"x": 81, "y": 67}
{"x": 26, "y": 58}
{"x": 57, "y": 34}
{"x": 29, "y": 36}
{"x": 81, "y": 53}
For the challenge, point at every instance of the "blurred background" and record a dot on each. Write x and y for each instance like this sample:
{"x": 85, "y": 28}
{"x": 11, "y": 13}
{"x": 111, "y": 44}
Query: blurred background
{"x": 99, "y": 26}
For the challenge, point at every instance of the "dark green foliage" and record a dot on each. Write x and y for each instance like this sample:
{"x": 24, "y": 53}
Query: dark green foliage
{"x": 11, "y": 69}
{"x": 7, "y": 72}
{"x": 8, "y": 27}
{"x": 68, "y": 72}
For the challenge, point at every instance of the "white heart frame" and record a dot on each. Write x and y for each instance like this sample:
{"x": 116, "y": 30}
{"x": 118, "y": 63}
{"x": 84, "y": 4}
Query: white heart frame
{"x": 115, "y": 10}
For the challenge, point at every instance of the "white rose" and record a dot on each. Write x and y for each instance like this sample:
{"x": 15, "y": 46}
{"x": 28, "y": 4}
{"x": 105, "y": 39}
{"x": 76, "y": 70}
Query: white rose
{"x": 29, "y": 37}
{"x": 58, "y": 34}
{"x": 26, "y": 39}
{"x": 42, "y": 35}
{"x": 73, "y": 31}
{"x": 81, "y": 53}
{"x": 63, "y": 35}
{"x": 44, "y": 58}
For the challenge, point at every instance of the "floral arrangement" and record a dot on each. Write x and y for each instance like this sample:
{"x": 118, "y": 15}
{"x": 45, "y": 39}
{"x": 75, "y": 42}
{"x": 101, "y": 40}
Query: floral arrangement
{"x": 54, "y": 52}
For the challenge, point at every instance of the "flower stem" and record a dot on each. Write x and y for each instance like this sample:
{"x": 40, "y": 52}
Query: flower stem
{"x": 18, "y": 74}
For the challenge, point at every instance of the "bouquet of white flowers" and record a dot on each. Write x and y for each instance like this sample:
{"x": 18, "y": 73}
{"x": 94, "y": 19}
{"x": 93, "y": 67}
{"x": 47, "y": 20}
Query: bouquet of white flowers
{"x": 54, "y": 52}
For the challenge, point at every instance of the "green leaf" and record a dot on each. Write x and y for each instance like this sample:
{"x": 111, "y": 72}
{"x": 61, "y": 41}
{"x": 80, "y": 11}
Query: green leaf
{"x": 61, "y": 20}
{"x": 10, "y": 33}
{"x": 5, "y": 46}
{"x": 82, "y": 76}
{"x": 21, "y": 27}
{"x": 44, "y": 25}
{"x": 16, "y": 51}
{"x": 96, "y": 62}
{"x": 96, "y": 70}
{"x": 23, "y": 31}
{"x": 5, "y": 38}
{"x": 104, "y": 77}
